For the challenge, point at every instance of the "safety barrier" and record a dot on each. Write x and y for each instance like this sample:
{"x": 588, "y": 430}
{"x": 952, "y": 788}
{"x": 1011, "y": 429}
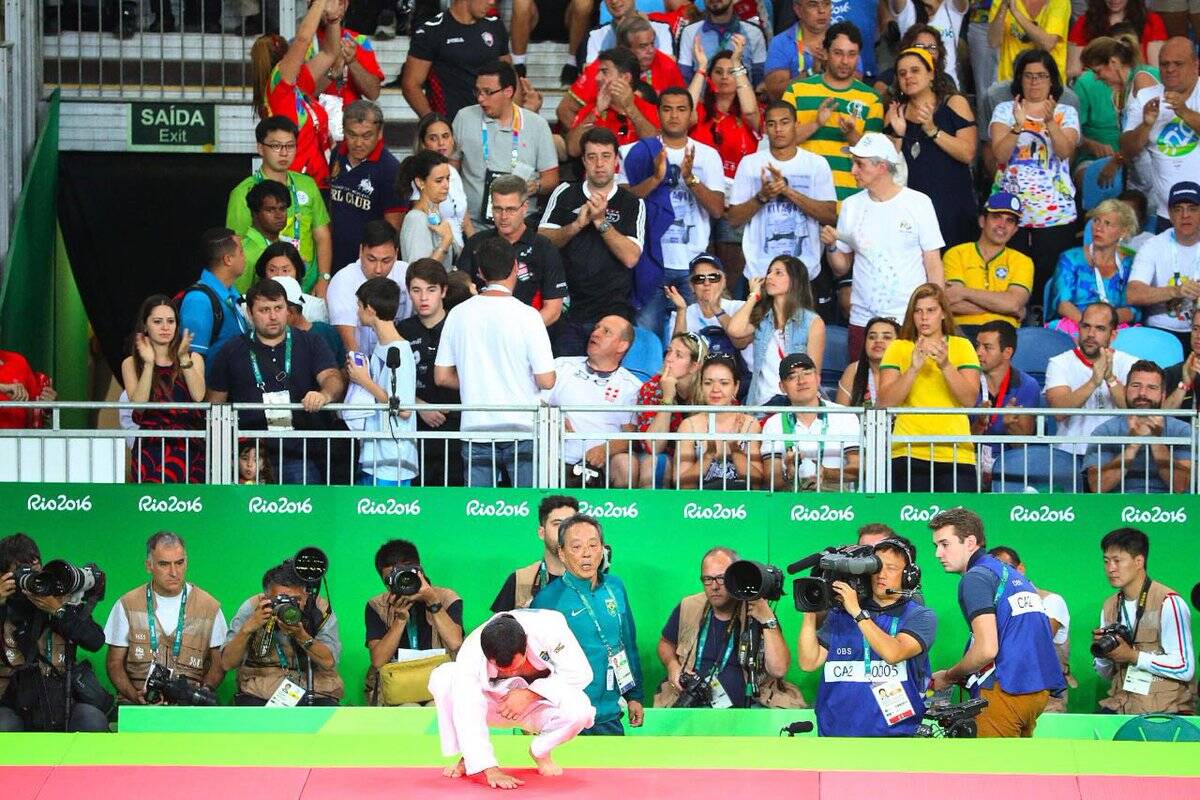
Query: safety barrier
{"x": 548, "y": 447}
{"x": 20, "y": 89}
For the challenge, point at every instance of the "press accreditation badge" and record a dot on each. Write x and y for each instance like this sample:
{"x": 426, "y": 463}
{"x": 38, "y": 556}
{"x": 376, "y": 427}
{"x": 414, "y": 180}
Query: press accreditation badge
{"x": 893, "y": 701}
{"x": 1137, "y": 681}
{"x": 720, "y": 698}
{"x": 278, "y": 419}
{"x": 619, "y": 671}
{"x": 288, "y": 694}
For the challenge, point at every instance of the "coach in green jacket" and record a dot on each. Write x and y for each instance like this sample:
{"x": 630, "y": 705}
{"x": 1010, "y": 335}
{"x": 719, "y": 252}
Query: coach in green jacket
{"x": 597, "y": 610}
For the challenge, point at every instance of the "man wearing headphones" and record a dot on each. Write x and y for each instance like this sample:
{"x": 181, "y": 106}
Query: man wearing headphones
{"x": 875, "y": 659}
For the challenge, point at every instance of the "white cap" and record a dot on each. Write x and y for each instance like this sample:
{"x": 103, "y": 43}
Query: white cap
{"x": 291, "y": 288}
{"x": 875, "y": 145}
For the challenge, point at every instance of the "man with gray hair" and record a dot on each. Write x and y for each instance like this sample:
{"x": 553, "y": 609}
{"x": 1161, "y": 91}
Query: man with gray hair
{"x": 168, "y": 622}
{"x": 362, "y": 184}
{"x": 889, "y": 234}
{"x": 541, "y": 282}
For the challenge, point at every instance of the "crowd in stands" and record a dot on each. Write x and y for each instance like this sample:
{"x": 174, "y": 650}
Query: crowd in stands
{"x": 730, "y": 186}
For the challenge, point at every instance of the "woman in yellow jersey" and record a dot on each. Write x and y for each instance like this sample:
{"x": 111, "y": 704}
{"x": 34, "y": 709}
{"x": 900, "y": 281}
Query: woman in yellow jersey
{"x": 929, "y": 367}
{"x": 1019, "y": 25}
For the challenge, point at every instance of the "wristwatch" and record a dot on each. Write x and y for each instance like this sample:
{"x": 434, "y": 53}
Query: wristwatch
{"x": 604, "y": 227}
{"x": 693, "y": 181}
{"x": 861, "y": 615}
{"x": 434, "y": 608}
{"x": 771, "y": 624}
{"x": 326, "y": 276}
{"x": 307, "y": 643}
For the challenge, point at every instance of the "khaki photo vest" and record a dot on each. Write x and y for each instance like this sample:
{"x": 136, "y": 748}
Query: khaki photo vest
{"x": 378, "y": 603}
{"x": 11, "y": 657}
{"x": 1167, "y": 696}
{"x": 200, "y": 615}
{"x": 525, "y": 578}
{"x": 772, "y": 692}
{"x": 261, "y": 676}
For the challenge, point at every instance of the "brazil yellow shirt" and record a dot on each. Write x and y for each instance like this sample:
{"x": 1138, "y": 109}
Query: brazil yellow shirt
{"x": 857, "y": 100}
{"x": 930, "y": 390}
{"x": 1054, "y": 19}
{"x": 964, "y": 265}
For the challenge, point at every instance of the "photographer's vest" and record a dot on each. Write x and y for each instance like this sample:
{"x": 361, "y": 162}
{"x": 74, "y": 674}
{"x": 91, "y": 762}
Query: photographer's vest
{"x": 200, "y": 611}
{"x": 379, "y": 604}
{"x": 1166, "y": 696}
{"x": 259, "y": 676}
{"x": 526, "y": 578}
{"x": 1026, "y": 661}
{"x": 51, "y": 646}
{"x": 846, "y": 703}
{"x": 693, "y": 610}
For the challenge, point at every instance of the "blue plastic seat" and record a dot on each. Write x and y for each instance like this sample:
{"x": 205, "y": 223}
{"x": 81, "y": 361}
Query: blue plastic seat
{"x": 1151, "y": 344}
{"x": 1037, "y": 467}
{"x": 837, "y": 357}
{"x": 645, "y": 356}
{"x": 1035, "y": 348}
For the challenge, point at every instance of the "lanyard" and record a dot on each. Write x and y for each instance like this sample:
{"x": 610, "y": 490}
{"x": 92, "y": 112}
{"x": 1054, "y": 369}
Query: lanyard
{"x": 287, "y": 362}
{"x": 294, "y": 210}
{"x": 1141, "y": 607}
{"x": 788, "y": 421}
{"x": 153, "y": 622}
{"x": 804, "y": 61}
{"x": 587, "y": 606}
{"x": 283, "y": 662}
{"x": 717, "y": 668}
{"x": 410, "y": 629}
{"x": 1101, "y": 290}
{"x": 648, "y": 76}
{"x": 516, "y": 137}
{"x": 1001, "y": 393}
{"x": 543, "y": 576}
{"x": 867, "y": 646}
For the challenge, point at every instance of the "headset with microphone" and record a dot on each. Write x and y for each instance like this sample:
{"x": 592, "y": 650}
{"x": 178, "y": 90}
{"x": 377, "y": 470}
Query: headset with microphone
{"x": 910, "y": 578}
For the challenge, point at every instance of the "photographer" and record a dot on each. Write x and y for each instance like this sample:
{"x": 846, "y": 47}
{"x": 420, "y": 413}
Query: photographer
{"x": 185, "y": 636}
{"x": 701, "y": 642}
{"x": 1010, "y": 659}
{"x": 523, "y": 584}
{"x": 40, "y": 635}
{"x": 412, "y": 615}
{"x": 859, "y": 695}
{"x": 271, "y": 654}
{"x": 1149, "y": 659}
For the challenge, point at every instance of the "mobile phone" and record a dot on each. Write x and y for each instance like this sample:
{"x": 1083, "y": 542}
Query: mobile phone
{"x": 358, "y": 359}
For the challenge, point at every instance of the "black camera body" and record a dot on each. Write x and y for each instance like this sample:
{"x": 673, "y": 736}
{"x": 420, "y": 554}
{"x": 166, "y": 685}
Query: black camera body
{"x": 696, "y": 692}
{"x": 404, "y": 580}
{"x": 286, "y": 609}
{"x": 751, "y": 580}
{"x": 956, "y": 720}
{"x": 852, "y": 564}
{"x": 162, "y": 684}
{"x": 1111, "y": 637}
{"x": 59, "y": 578}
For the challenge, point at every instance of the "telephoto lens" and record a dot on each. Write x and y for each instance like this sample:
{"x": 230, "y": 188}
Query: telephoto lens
{"x": 286, "y": 609}
{"x": 405, "y": 580}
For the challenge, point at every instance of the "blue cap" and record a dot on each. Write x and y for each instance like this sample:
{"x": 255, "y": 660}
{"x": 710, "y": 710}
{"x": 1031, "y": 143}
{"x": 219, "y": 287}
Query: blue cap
{"x": 706, "y": 258}
{"x": 1003, "y": 203}
{"x": 1184, "y": 192}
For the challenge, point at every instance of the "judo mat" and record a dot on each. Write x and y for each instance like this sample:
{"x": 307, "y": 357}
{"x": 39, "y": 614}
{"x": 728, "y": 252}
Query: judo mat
{"x": 378, "y": 753}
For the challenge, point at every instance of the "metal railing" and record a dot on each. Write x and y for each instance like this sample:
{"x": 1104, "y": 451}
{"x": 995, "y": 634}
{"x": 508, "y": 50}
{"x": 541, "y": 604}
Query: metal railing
{"x": 543, "y": 449}
{"x": 20, "y": 90}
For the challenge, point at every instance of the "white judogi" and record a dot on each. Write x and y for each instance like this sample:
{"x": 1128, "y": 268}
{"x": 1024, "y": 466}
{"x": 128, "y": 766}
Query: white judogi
{"x": 467, "y": 692}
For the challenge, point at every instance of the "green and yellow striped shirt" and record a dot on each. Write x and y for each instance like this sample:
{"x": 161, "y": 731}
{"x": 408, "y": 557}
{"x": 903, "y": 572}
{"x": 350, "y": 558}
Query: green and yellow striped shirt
{"x": 858, "y": 100}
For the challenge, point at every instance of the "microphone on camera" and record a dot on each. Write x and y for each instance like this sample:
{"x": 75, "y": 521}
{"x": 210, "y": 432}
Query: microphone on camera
{"x": 393, "y": 364}
{"x": 909, "y": 593}
{"x": 805, "y": 563}
{"x": 799, "y": 726}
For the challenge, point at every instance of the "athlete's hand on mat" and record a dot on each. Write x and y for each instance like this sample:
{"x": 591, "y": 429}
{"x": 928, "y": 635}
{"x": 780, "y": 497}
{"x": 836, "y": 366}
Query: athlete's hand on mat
{"x": 636, "y": 714}
{"x": 516, "y": 703}
{"x": 500, "y": 780}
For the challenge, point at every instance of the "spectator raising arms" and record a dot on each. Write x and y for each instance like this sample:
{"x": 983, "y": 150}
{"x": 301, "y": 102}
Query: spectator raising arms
{"x": 425, "y": 233}
{"x": 1017, "y": 26}
{"x": 162, "y": 369}
{"x": 719, "y": 464}
{"x": 677, "y": 384}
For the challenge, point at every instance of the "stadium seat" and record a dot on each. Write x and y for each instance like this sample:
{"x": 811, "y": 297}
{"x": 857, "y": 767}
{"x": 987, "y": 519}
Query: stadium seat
{"x": 1030, "y": 468}
{"x": 837, "y": 356}
{"x": 1035, "y": 348}
{"x": 1151, "y": 344}
{"x": 1157, "y": 728}
{"x": 645, "y": 357}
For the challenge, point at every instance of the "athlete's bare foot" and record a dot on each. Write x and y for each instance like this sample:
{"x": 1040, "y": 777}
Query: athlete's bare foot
{"x": 456, "y": 770}
{"x": 546, "y": 765}
{"x": 500, "y": 780}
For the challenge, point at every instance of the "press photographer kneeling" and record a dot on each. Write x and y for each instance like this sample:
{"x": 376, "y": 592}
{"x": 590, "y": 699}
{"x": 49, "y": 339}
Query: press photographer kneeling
{"x": 284, "y": 643}
{"x": 874, "y": 644}
{"x": 715, "y": 646}
{"x": 46, "y": 613}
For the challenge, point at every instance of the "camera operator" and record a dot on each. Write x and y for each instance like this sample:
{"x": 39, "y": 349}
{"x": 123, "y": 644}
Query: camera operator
{"x": 859, "y": 695}
{"x": 412, "y": 615}
{"x": 270, "y": 654}
{"x": 700, "y": 641}
{"x": 40, "y": 637}
{"x": 1150, "y": 660}
{"x": 1010, "y": 659}
{"x": 523, "y": 584}
{"x": 185, "y": 636}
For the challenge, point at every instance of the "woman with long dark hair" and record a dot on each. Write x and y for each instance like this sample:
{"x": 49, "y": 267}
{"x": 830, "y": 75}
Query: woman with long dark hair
{"x": 1101, "y": 17}
{"x": 434, "y": 133}
{"x": 859, "y": 383}
{"x": 162, "y": 369}
{"x": 678, "y": 383}
{"x": 719, "y": 464}
{"x": 425, "y": 233}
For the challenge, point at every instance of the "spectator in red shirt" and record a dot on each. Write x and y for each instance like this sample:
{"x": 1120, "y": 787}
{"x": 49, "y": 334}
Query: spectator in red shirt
{"x": 1104, "y": 15}
{"x": 624, "y": 104}
{"x": 355, "y": 73}
{"x": 285, "y": 84}
{"x": 19, "y": 382}
{"x": 677, "y": 384}
{"x": 658, "y": 69}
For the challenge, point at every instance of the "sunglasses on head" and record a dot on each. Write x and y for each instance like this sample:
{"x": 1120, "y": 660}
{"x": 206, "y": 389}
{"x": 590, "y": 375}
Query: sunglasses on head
{"x": 706, "y": 277}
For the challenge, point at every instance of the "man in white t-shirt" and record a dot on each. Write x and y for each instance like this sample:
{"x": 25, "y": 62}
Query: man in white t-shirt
{"x": 167, "y": 621}
{"x": 794, "y": 463}
{"x": 1090, "y": 376}
{"x": 1164, "y": 121}
{"x": 378, "y": 257}
{"x": 888, "y": 233}
{"x": 783, "y": 195}
{"x": 598, "y": 379}
{"x": 1166, "y": 271}
{"x": 495, "y": 351}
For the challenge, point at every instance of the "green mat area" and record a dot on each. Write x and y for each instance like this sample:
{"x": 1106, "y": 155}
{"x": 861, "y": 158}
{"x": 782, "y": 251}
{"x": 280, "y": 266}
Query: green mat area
{"x": 1051, "y": 756}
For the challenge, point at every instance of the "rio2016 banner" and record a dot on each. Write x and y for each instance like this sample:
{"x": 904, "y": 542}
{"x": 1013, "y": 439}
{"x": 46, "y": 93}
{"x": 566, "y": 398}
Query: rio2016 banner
{"x": 471, "y": 539}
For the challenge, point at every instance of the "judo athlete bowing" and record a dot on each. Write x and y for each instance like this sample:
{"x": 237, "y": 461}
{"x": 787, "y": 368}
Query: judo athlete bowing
{"x": 520, "y": 669}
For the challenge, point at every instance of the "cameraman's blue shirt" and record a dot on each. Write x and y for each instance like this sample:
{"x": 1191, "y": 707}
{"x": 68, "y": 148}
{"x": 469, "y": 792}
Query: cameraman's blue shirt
{"x": 611, "y": 629}
{"x": 845, "y": 702}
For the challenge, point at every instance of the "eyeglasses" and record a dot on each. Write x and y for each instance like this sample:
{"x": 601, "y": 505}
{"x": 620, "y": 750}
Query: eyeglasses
{"x": 705, "y": 277}
{"x": 1036, "y": 77}
{"x": 481, "y": 92}
{"x": 929, "y": 48}
{"x": 277, "y": 147}
{"x": 506, "y": 209}
{"x": 712, "y": 580}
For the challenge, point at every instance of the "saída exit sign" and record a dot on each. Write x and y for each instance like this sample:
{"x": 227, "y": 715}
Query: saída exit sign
{"x": 173, "y": 126}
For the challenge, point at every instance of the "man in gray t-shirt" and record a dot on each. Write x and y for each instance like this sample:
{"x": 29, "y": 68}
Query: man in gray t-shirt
{"x": 496, "y": 137}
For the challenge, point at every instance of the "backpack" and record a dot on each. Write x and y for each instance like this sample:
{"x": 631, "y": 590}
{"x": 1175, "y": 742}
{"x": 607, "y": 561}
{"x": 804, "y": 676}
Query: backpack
{"x": 218, "y": 318}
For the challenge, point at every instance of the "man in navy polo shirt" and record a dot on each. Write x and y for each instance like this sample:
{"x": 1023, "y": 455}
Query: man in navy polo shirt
{"x": 362, "y": 184}
{"x": 213, "y": 314}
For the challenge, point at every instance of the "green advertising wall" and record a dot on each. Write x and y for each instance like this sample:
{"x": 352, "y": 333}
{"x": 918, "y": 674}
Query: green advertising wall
{"x": 471, "y": 539}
